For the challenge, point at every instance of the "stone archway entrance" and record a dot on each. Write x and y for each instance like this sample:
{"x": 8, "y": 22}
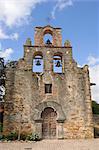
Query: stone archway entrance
{"x": 53, "y": 112}
{"x": 48, "y": 123}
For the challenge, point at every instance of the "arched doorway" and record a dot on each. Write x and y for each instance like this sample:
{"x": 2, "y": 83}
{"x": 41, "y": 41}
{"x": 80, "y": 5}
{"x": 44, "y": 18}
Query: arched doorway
{"x": 49, "y": 123}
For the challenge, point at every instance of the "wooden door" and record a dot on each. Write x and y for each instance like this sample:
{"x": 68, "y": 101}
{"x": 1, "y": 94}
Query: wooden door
{"x": 49, "y": 123}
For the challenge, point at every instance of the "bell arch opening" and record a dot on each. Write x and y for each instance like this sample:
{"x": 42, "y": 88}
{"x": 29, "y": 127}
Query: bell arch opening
{"x": 57, "y": 63}
{"x": 48, "y": 37}
{"x": 37, "y": 62}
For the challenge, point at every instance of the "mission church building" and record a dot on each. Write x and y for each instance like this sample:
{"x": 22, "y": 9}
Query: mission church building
{"x": 46, "y": 92}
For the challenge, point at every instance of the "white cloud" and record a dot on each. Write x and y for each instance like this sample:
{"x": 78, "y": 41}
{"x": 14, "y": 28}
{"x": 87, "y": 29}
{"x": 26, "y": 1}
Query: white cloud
{"x": 15, "y": 12}
{"x": 6, "y": 54}
{"x": 94, "y": 76}
{"x": 3, "y": 35}
{"x": 92, "y": 60}
{"x": 0, "y": 46}
{"x": 61, "y": 4}
{"x": 14, "y": 36}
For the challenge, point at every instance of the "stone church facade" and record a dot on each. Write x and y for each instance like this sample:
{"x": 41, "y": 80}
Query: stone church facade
{"x": 50, "y": 103}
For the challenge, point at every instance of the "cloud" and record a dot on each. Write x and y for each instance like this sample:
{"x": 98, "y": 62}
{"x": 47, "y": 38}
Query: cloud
{"x": 6, "y": 54}
{"x": 92, "y": 60}
{"x": 0, "y": 46}
{"x": 3, "y": 35}
{"x": 60, "y": 5}
{"x": 94, "y": 76}
{"x": 14, "y": 12}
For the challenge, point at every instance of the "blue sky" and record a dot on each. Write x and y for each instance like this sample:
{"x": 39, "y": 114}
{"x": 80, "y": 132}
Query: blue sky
{"x": 79, "y": 20}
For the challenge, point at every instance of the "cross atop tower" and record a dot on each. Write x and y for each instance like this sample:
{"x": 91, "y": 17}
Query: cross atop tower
{"x": 48, "y": 19}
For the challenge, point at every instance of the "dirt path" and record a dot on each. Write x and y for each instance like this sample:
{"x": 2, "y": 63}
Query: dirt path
{"x": 53, "y": 145}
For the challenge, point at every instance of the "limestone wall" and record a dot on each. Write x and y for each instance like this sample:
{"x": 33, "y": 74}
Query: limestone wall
{"x": 40, "y": 32}
{"x": 25, "y": 90}
{"x": 26, "y": 98}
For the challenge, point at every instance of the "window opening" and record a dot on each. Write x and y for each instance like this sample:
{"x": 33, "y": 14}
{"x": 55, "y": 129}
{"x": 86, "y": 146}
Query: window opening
{"x": 48, "y": 88}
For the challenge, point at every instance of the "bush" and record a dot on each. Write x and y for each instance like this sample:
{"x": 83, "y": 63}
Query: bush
{"x": 23, "y": 137}
{"x": 14, "y": 136}
{"x": 1, "y": 127}
{"x": 33, "y": 137}
{"x": 95, "y": 107}
{"x": 11, "y": 136}
{"x": 1, "y": 137}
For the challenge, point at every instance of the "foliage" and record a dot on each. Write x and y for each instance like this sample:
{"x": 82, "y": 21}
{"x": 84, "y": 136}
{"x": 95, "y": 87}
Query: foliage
{"x": 1, "y": 127}
{"x": 95, "y": 107}
{"x": 14, "y": 136}
{"x": 1, "y": 130}
{"x": 23, "y": 137}
{"x": 33, "y": 137}
{"x": 11, "y": 136}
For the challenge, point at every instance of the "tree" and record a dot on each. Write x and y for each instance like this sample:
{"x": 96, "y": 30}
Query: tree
{"x": 95, "y": 107}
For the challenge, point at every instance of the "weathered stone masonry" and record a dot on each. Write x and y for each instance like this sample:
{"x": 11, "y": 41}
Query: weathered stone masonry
{"x": 70, "y": 99}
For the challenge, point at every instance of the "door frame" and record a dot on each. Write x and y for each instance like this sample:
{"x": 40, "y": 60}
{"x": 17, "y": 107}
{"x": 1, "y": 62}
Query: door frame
{"x": 49, "y": 120}
{"x": 60, "y": 118}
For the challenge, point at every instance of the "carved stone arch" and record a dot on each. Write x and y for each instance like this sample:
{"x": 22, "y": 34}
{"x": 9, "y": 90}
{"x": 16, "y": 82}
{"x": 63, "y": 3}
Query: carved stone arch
{"x": 55, "y": 32}
{"x": 37, "y": 53}
{"x": 58, "y": 54}
{"x": 48, "y": 30}
{"x": 57, "y": 107}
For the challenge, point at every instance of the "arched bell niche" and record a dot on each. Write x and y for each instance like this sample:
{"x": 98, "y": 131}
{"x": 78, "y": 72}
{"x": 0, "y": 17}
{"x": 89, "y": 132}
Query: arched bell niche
{"x": 37, "y": 62}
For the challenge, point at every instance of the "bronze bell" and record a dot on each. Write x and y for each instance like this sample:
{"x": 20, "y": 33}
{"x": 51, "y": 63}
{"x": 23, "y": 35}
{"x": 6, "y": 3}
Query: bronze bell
{"x": 38, "y": 63}
{"x": 48, "y": 42}
{"x": 58, "y": 64}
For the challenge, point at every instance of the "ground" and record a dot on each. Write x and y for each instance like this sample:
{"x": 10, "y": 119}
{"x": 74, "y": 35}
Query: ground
{"x": 88, "y": 144}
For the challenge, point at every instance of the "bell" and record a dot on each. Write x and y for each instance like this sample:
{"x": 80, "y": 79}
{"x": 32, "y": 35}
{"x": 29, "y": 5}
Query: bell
{"x": 48, "y": 42}
{"x": 38, "y": 63}
{"x": 58, "y": 64}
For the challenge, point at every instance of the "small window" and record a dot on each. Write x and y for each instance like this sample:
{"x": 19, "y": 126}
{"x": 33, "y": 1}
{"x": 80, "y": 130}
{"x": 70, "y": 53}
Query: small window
{"x": 48, "y": 88}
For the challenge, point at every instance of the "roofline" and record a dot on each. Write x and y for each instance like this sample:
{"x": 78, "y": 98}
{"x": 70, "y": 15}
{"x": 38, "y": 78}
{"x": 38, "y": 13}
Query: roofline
{"x": 47, "y": 26}
{"x": 48, "y": 46}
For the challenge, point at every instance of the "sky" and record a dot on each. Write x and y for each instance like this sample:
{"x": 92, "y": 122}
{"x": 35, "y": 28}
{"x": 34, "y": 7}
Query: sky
{"x": 79, "y": 20}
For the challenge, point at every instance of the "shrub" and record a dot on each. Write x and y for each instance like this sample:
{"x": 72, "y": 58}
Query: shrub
{"x": 11, "y": 136}
{"x": 1, "y": 127}
{"x": 23, "y": 137}
{"x": 95, "y": 107}
{"x": 14, "y": 136}
{"x": 33, "y": 137}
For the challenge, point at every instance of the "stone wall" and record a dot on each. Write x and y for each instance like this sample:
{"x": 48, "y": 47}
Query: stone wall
{"x": 40, "y": 32}
{"x": 70, "y": 98}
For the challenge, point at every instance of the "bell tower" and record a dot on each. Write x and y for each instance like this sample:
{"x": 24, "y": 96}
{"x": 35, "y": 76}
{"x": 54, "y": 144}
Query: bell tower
{"x": 54, "y": 32}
